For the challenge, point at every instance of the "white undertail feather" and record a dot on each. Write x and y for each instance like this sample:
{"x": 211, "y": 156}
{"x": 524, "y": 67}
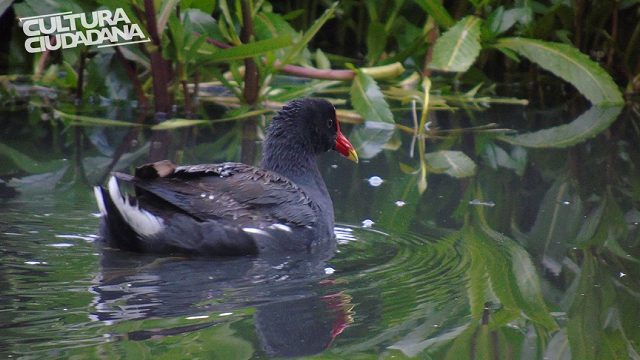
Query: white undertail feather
{"x": 141, "y": 221}
{"x": 97, "y": 191}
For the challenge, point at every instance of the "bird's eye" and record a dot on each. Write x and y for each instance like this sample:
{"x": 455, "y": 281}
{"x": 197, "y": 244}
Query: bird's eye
{"x": 329, "y": 123}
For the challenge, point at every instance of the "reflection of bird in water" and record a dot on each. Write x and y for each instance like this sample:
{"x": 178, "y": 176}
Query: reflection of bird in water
{"x": 295, "y": 312}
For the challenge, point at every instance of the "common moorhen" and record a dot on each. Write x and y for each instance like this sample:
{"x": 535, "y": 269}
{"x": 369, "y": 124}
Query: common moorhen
{"x": 233, "y": 208}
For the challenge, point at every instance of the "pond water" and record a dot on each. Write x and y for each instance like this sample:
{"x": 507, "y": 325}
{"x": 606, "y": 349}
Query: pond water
{"x": 534, "y": 255}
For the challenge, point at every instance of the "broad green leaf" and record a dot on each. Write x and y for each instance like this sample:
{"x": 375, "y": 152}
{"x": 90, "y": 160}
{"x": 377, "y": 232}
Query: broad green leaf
{"x": 368, "y": 101}
{"x": 200, "y": 22}
{"x": 437, "y": 11}
{"x": 270, "y": 25}
{"x": 27, "y": 164}
{"x": 584, "y": 127}
{"x": 570, "y": 64}
{"x": 246, "y": 50}
{"x": 371, "y": 137}
{"x": 453, "y": 163}
{"x": 457, "y": 49}
{"x": 295, "y": 50}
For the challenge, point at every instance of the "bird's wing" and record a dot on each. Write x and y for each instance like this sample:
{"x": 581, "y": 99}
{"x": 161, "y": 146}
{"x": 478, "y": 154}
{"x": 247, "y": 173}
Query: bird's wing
{"x": 232, "y": 191}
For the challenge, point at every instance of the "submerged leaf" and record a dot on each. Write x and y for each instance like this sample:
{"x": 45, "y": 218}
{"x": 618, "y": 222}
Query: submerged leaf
{"x": 584, "y": 127}
{"x": 453, "y": 163}
{"x": 368, "y": 100}
{"x": 458, "y": 47}
{"x": 570, "y": 64}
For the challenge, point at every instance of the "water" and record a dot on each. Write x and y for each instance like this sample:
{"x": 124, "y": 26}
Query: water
{"x": 541, "y": 264}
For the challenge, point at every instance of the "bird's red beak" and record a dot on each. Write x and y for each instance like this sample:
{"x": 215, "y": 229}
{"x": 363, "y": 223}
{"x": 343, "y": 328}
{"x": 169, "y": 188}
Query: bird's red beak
{"x": 344, "y": 147}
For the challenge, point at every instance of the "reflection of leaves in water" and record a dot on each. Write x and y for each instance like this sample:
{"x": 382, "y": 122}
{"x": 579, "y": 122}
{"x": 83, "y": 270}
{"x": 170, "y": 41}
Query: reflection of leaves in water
{"x": 498, "y": 157}
{"x": 556, "y": 224}
{"x": 501, "y": 270}
{"x": 40, "y": 182}
{"x": 29, "y": 165}
{"x": 453, "y": 163}
{"x": 370, "y": 138}
{"x": 586, "y": 126}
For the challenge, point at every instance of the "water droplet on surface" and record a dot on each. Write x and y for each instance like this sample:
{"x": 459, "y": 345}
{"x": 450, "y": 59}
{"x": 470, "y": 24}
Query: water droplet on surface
{"x": 375, "y": 181}
{"x": 367, "y": 223}
{"x": 482, "y": 203}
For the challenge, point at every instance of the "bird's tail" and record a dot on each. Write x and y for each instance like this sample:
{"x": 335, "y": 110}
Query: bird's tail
{"x": 124, "y": 224}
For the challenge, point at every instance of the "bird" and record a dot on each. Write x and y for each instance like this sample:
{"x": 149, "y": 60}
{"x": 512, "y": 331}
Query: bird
{"x": 233, "y": 209}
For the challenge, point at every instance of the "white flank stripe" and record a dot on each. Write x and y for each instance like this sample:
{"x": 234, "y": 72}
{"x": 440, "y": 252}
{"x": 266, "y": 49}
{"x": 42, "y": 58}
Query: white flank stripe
{"x": 142, "y": 221}
{"x": 282, "y": 227}
{"x": 256, "y": 231}
{"x": 97, "y": 191}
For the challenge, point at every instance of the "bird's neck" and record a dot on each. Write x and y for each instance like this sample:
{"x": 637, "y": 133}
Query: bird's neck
{"x": 298, "y": 164}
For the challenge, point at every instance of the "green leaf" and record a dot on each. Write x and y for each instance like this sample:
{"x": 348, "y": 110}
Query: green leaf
{"x": 246, "y": 50}
{"x": 368, "y": 100}
{"x": 309, "y": 34}
{"x": 570, "y": 64}
{"x": 166, "y": 8}
{"x": 586, "y": 126}
{"x": 437, "y": 11}
{"x": 501, "y": 20}
{"x": 369, "y": 139}
{"x": 453, "y": 163}
{"x": 205, "y": 6}
{"x": 376, "y": 40}
{"x": 457, "y": 49}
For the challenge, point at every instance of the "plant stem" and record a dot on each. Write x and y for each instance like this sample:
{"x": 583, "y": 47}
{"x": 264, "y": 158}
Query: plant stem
{"x": 377, "y": 72}
{"x": 134, "y": 78}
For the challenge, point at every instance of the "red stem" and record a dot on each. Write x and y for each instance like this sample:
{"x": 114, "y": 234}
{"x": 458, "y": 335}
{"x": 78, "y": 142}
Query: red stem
{"x": 297, "y": 70}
